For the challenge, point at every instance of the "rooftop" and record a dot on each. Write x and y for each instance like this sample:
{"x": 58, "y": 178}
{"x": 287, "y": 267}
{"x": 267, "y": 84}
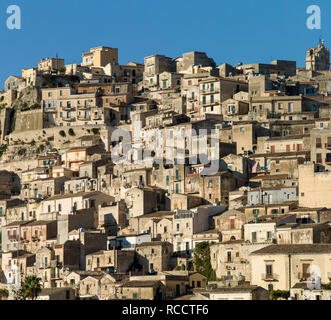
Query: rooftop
{"x": 294, "y": 249}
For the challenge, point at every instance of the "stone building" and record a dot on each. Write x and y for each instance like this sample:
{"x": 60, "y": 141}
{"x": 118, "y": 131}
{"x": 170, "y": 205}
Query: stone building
{"x": 154, "y": 256}
{"x": 318, "y": 58}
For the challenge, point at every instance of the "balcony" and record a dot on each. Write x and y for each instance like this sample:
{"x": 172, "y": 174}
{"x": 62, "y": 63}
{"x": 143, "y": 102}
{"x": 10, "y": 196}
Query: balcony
{"x": 35, "y": 238}
{"x": 82, "y": 118}
{"x": 209, "y": 91}
{"x": 50, "y": 110}
{"x": 270, "y": 277}
{"x": 68, "y": 108}
{"x": 69, "y": 119}
{"x": 13, "y": 238}
{"x": 209, "y": 104}
{"x": 303, "y": 276}
{"x": 97, "y": 117}
{"x": 84, "y": 107}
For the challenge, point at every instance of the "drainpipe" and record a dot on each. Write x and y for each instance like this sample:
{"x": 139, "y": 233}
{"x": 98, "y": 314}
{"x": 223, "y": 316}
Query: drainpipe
{"x": 289, "y": 271}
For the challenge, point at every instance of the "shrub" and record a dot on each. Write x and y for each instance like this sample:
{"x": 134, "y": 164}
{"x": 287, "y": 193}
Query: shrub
{"x": 22, "y": 152}
{"x": 96, "y": 131}
{"x": 279, "y": 294}
{"x": 40, "y": 149}
{"x": 71, "y": 132}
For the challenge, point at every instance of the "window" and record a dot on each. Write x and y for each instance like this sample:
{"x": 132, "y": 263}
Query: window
{"x": 135, "y": 295}
{"x": 60, "y": 207}
{"x": 204, "y": 101}
{"x": 318, "y": 158}
{"x": 254, "y": 237}
{"x": 269, "y": 270}
{"x": 305, "y": 270}
{"x": 212, "y": 87}
{"x": 212, "y": 98}
{"x": 229, "y": 256}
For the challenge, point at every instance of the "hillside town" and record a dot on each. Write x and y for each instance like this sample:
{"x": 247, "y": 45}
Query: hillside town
{"x": 171, "y": 179}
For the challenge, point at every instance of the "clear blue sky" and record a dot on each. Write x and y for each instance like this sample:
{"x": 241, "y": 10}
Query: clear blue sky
{"x": 229, "y": 31}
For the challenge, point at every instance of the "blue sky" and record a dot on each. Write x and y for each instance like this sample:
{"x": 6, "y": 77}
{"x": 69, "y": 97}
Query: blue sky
{"x": 229, "y": 31}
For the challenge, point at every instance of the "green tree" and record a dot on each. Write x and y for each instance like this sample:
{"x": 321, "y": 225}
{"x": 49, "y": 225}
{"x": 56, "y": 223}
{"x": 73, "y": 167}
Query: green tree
{"x": 31, "y": 287}
{"x": 279, "y": 294}
{"x": 202, "y": 260}
{"x": 4, "y": 294}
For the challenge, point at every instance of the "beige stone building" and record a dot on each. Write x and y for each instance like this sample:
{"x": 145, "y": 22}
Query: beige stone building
{"x": 113, "y": 260}
{"x": 100, "y": 57}
{"x": 142, "y": 290}
{"x": 231, "y": 260}
{"x": 314, "y": 186}
{"x": 231, "y": 224}
{"x": 280, "y": 267}
{"x": 154, "y": 256}
{"x": 51, "y": 64}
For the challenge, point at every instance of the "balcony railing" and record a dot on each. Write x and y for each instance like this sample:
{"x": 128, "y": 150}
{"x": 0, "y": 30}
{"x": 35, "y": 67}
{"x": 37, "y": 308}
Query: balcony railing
{"x": 97, "y": 117}
{"x": 303, "y": 276}
{"x": 69, "y": 119}
{"x": 82, "y": 118}
{"x": 210, "y": 91}
{"x": 270, "y": 277}
{"x": 13, "y": 238}
{"x": 208, "y": 104}
{"x": 68, "y": 108}
{"x": 84, "y": 107}
{"x": 52, "y": 110}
